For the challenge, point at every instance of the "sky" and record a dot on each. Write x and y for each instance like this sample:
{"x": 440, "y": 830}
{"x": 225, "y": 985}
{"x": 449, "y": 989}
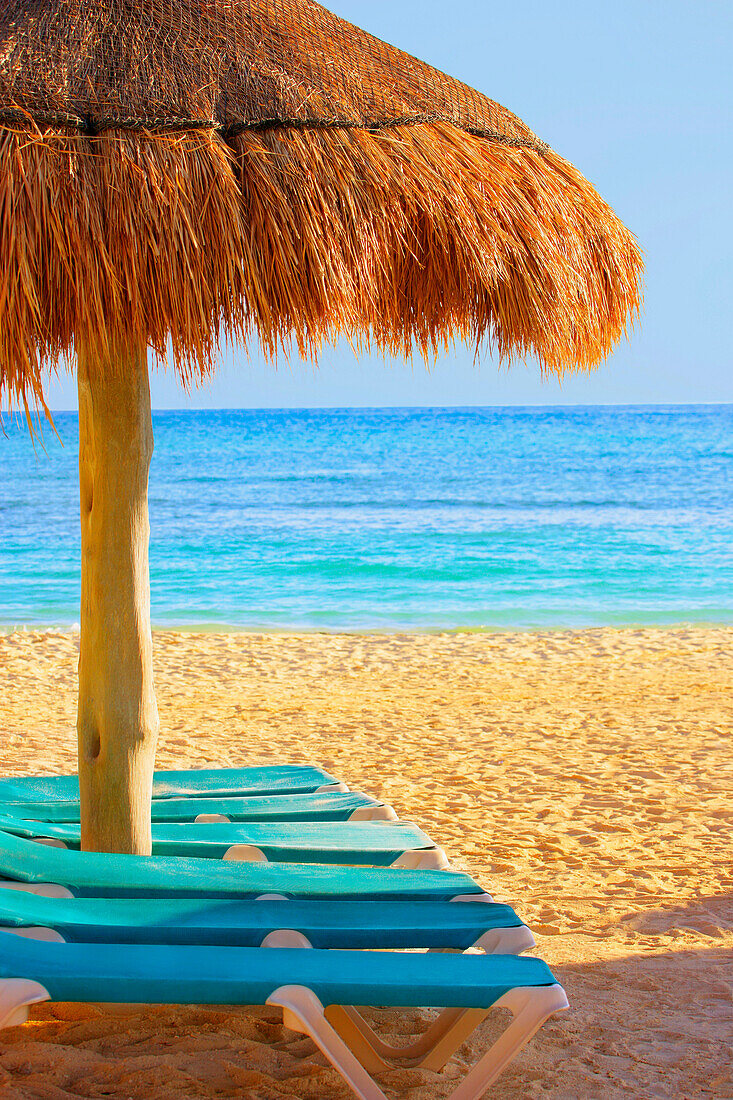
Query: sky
{"x": 637, "y": 94}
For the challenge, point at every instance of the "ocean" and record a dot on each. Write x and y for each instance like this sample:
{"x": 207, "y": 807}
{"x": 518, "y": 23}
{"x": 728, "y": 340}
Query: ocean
{"x": 398, "y": 519}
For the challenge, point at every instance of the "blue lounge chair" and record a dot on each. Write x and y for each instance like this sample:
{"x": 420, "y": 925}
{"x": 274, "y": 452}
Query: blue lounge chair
{"x": 206, "y": 782}
{"x": 315, "y": 990}
{"x": 26, "y": 864}
{"x": 354, "y": 925}
{"x": 333, "y": 806}
{"x": 383, "y": 844}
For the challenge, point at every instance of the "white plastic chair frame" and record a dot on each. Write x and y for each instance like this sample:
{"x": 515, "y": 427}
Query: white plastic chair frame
{"x": 416, "y": 859}
{"x": 351, "y": 1045}
{"x": 380, "y": 812}
{"x": 496, "y": 941}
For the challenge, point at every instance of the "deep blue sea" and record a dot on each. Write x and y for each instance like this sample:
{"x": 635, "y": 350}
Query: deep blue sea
{"x": 399, "y": 519}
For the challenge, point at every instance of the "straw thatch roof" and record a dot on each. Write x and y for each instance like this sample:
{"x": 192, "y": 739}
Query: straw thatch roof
{"x": 181, "y": 170}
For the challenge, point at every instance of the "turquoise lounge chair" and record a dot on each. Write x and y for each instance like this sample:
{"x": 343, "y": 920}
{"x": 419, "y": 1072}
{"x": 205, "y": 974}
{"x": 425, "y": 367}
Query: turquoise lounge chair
{"x": 381, "y": 844}
{"x": 26, "y": 864}
{"x": 206, "y": 782}
{"x": 355, "y": 925}
{"x": 334, "y": 806}
{"x": 314, "y": 989}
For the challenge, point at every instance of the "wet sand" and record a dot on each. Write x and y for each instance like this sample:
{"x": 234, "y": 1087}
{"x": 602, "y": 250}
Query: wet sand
{"x": 584, "y": 777}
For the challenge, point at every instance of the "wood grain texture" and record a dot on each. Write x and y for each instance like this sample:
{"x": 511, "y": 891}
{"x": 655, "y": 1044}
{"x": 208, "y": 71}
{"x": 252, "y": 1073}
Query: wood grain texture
{"x": 117, "y": 721}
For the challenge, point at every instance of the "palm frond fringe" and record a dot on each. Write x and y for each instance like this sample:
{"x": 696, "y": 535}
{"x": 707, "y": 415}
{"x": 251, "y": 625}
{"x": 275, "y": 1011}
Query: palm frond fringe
{"x": 403, "y": 239}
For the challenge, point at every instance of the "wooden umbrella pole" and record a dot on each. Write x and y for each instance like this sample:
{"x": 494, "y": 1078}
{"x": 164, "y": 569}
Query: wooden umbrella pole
{"x": 118, "y": 716}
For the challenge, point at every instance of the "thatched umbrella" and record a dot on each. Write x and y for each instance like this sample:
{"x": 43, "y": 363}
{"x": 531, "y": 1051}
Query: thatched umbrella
{"x": 179, "y": 171}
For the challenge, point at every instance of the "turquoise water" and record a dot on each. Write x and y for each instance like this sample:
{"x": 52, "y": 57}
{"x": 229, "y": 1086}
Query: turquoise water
{"x": 416, "y": 519}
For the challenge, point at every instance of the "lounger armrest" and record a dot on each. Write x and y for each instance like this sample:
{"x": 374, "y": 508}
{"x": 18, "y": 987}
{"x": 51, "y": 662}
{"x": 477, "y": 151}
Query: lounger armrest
{"x": 421, "y": 859}
{"x": 286, "y": 937}
{"x": 16, "y": 996}
{"x": 245, "y": 853}
{"x": 382, "y": 812}
{"x": 42, "y": 889}
{"x": 506, "y": 941}
{"x": 543, "y": 998}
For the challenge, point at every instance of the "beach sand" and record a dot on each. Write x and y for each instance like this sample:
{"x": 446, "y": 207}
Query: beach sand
{"x": 584, "y": 777}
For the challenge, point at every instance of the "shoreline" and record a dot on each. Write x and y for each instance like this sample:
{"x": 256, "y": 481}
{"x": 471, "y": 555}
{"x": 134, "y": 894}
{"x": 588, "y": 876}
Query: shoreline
{"x": 375, "y": 632}
{"x": 583, "y": 777}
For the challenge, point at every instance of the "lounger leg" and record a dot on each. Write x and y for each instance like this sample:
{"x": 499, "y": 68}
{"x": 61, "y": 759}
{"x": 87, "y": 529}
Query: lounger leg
{"x": 531, "y": 1007}
{"x": 431, "y": 1051}
{"x": 438, "y": 1044}
{"x": 301, "y": 1007}
{"x": 16, "y": 996}
{"x": 449, "y": 1037}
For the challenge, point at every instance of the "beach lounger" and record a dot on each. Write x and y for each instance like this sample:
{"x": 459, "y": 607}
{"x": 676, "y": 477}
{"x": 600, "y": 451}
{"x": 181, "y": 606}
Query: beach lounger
{"x": 386, "y": 844}
{"x": 333, "y": 806}
{"x": 25, "y": 864}
{"x": 355, "y": 925}
{"x": 315, "y": 990}
{"x": 206, "y": 782}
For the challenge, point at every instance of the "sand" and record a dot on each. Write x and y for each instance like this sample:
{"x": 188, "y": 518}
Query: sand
{"x": 584, "y": 777}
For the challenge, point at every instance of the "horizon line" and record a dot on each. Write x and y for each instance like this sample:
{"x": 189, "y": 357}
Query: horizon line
{"x": 398, "y": 408}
